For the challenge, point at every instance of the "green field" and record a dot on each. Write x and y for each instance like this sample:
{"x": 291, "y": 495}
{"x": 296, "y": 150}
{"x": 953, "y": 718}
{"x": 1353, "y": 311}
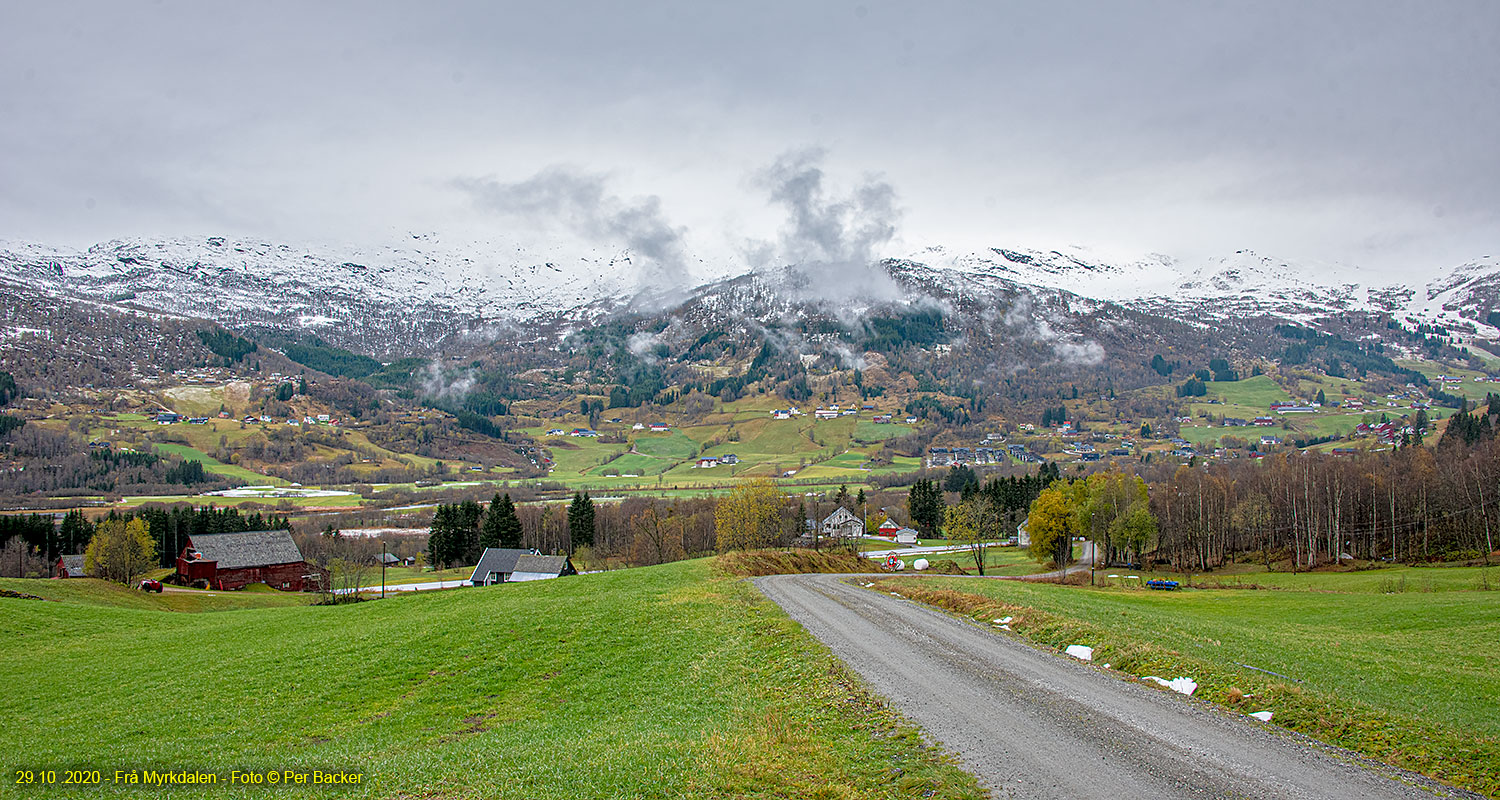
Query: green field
{"x": 575, "y": 456}
{"x": 95, "y": 592}
{"x": 1469, "y": 389}
{"x": 1411, "y": 671}
{"x": 867, "y": 431}
{"x": 826, "y": 451}
{"x": 674, "y": 446}
{"x": 217, "y": 467}
{"x": 655, "y": 682}
{"x": 1395, "y": 579}
{"x": 1257, "y": 392}
{"x": 997, "y": 561}
{"x": 633, "y": 464}
{"x": 397, "y": 576}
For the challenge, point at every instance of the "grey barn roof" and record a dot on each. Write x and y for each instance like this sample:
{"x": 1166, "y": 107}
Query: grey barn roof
{"x": 249, "y": 549}
{"x": 544, "y": 565}
{"x": 496, "y": 559}
{"x": 74, "y": 566}
{"x": 510, "y": 561}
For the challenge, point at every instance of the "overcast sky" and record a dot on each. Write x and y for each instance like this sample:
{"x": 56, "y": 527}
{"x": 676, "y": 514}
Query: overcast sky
{"x": 1366, "y": 132}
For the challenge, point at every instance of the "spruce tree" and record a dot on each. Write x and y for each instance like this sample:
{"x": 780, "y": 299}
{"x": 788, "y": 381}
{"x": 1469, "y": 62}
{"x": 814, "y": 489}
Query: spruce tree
{"x": 441, "y": 541}
{"x": 502, "y": 528}
{"x": 467, "y": 522}
{"x": 581, "y": 520}
{"x": 925, "y": 505}
{"x": 74, "y": 533}
{"x": 489, "y": 531}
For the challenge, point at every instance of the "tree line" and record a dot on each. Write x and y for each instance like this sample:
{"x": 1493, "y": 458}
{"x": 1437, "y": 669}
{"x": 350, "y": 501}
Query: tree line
{"x": 168, "y": 529}
{"x": 462, "y": 531}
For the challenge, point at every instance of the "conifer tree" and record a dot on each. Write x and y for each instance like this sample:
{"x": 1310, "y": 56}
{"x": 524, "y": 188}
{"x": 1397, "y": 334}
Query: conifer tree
{"x": 925, "y": 505}
{"x": 502, "y": 528}
{"x": 581, "y": 520}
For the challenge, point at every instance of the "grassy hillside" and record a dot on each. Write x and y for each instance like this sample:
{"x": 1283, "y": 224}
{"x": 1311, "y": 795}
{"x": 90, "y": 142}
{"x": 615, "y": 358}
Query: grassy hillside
{"x": 1258, "y": 392}
{"x": 642, "y": 683}
{"x": 1468, "y": 388}
{"x": 217, "y": 467}
{"x": 1408, "y": 677}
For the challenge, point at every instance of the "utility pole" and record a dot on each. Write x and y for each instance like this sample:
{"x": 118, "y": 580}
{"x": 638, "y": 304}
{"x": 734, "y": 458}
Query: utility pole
{"x": 382, "y": 570}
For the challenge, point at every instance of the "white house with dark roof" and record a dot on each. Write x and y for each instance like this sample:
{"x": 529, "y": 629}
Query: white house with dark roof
{"x": 842, "y": 524}
{"x": 510, "y": 565}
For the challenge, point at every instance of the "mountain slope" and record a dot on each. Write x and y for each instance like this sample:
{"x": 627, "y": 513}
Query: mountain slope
{"x": 431, "y": 296}
{"x": 386, "y": 302}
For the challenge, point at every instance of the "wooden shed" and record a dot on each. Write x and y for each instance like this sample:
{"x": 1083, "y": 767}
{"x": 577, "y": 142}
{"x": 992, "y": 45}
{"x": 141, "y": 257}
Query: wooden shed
{"x": 70, "y": 567}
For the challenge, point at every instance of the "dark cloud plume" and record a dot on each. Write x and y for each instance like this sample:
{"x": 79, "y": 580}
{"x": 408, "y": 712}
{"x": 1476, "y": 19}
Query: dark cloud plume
{"x": 581, "y": 204}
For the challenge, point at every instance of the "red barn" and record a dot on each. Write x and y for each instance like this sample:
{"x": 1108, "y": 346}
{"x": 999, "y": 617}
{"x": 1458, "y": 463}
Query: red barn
{"x": 70, "y": 567}
{"x": 233, "y": 560}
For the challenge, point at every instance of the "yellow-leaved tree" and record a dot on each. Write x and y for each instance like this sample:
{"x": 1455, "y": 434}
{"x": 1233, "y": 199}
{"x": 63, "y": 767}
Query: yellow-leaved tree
{"x": 749, "y": 516}
{"x": 120, "y": 550}
{"x": 1051, "y": 524}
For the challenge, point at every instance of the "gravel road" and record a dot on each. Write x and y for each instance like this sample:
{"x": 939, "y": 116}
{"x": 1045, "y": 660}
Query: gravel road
{"x": 1033, "y": 724}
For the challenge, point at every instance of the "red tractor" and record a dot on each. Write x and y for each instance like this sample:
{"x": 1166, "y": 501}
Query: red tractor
{"x": 149, "y": 585}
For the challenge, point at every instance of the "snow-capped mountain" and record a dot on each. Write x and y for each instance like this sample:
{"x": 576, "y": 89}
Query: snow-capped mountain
{"x": 390, "y": 300}
{"x": 415, "y": 298}
{"x": 1243, "y": 284}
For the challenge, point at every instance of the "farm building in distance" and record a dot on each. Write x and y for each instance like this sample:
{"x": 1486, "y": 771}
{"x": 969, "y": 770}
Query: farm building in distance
{"x": 235, "y": 560}
{"x": 70, "y": 567}
{"x": 508, "y": 565}
{"x": 842, "y": 524}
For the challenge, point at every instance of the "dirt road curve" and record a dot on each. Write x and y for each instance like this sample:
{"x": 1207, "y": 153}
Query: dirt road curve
{"x": 1032, "y": 724}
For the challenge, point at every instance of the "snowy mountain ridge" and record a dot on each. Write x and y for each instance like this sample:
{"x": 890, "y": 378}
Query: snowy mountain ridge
{"x": 413, "y": 297}
{"x": 1243, "y": 284}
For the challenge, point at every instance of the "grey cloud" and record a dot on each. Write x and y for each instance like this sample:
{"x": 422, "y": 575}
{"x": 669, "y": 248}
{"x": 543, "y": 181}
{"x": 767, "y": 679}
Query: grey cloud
{"x": 643, "y": 346}
{"x": 440, "y": 387}
{"x": 1086, "y": 353}
{"x": 582, "y": 205}
{"x": 1343, "y": 130}
{"x": 830, "y": 243}
{"x": 1037, "y": 325}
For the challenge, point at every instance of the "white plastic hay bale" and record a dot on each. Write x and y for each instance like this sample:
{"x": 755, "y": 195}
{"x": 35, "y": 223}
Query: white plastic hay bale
{"x": 919, "y": 565}
{"x": 1263, "y": 716}
{"x": 900, "y": 565}
{"x": 1081, "y": 652}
